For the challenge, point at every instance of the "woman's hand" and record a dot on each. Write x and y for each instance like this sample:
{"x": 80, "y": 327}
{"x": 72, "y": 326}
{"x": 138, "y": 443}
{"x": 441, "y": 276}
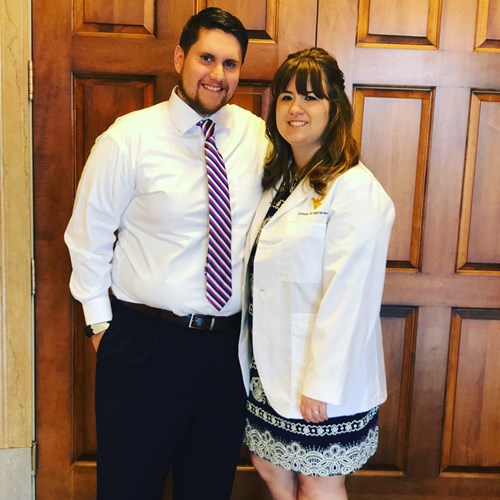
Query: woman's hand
{"x": 313, "y": 411}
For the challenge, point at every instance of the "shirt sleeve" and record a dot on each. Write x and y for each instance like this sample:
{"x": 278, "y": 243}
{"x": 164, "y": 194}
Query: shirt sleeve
{"x": 105, "y": 189}
{"x": 357, "y": 239}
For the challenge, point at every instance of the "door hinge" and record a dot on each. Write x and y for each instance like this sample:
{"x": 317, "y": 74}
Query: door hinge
{"x": 34, "y": 463}
{"x": 30, "y": 80}
{"x": 33, "y": 277}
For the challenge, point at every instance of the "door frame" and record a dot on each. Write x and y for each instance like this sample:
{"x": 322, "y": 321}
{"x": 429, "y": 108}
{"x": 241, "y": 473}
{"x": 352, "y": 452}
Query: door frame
{"x": 17, "y": 432}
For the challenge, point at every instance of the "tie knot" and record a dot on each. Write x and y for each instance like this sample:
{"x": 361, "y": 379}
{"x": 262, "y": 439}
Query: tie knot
{"x": 207, "y": 126}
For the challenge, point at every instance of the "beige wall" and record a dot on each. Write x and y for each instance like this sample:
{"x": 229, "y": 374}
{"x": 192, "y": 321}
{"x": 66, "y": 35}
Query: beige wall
{"x": 16, "y": 313}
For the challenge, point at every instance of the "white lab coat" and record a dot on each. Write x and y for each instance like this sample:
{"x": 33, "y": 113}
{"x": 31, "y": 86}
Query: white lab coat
{"x": 318, "y": 278}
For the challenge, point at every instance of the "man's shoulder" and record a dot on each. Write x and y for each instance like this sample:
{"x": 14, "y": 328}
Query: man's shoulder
{"x": 139, "y": 116}
{"x": 138, "y": 120}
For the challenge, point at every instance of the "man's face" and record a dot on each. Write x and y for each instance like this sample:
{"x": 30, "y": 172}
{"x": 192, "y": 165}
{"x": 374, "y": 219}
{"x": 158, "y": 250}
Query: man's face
{"x": 209, "y": 72}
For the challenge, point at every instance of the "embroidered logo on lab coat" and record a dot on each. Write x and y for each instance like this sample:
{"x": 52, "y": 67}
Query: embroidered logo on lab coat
{"x": 317, "y": 202}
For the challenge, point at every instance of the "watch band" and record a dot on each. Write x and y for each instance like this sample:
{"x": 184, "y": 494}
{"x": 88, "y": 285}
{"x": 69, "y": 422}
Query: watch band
{"x": 95, "y": 328}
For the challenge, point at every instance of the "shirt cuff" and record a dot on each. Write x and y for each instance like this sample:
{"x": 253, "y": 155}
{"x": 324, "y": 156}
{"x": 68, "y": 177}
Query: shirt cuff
{"x": 97, "y": 310}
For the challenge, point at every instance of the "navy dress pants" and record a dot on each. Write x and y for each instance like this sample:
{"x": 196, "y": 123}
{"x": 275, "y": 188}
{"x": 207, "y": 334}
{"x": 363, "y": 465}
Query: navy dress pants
{"x": 167, "y": 398}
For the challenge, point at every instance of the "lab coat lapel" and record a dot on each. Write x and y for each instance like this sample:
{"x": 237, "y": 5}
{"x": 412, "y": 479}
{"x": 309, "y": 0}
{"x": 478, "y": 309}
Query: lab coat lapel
{"x": 298, "y": 195}
{"x": 258, "y": 217}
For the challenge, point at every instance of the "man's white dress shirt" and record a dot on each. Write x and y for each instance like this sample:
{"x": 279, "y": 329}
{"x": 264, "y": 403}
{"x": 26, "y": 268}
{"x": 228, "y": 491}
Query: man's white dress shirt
{"x": 146, "y": 178}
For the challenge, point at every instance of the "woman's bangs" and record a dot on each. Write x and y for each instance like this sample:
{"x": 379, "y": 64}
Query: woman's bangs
{"x": 309, "y": 71}
{"x": 282, "y": 81}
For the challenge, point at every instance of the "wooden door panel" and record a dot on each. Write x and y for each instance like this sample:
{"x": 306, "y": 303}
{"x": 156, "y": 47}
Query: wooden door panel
{"x": 398, "y": 24}
{"x": 479, "y": 245}
{"x": 118, "y": 16}
{"x": 399, "y": 331}
{"x": 472, "y": 393}
{"x": 261, "y": 16}
{"x": 488, "y": 26}
{"x": 394, "y": 128}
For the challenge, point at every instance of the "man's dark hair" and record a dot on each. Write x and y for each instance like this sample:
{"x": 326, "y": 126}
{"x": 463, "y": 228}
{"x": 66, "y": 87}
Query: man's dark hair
{"x": 213, "y": 18}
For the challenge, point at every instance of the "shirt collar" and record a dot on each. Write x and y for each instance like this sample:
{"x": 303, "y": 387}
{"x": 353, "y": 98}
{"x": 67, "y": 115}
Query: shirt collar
{"x": 186, "y": 117}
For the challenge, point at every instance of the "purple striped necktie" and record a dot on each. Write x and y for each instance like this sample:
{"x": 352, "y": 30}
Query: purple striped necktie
{"x": 218, "y": 268}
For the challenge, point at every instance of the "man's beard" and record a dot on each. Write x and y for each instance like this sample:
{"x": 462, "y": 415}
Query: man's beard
{"x": 196, "y": 104}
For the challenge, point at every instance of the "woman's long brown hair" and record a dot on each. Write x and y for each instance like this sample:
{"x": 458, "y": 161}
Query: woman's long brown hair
{"x": 338, "y": 150}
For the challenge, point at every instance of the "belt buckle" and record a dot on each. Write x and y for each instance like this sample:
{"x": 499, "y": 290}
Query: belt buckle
{"x": 196, "y": 321}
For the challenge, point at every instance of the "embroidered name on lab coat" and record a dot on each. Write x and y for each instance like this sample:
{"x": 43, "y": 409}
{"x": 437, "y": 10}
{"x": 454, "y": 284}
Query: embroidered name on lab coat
{"x": 317, "y": 212}
{"x": 316, "y": 203}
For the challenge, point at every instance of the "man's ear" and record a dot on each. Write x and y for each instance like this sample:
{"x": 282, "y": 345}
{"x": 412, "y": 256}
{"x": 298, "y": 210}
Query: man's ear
{"x": 178, "y": 58}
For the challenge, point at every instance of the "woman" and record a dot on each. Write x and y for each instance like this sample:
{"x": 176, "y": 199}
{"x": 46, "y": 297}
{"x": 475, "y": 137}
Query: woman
{"x": 316, "y": 264}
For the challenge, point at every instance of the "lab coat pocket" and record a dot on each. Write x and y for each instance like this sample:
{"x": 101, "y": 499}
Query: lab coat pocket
{"x": 303, "y": 262}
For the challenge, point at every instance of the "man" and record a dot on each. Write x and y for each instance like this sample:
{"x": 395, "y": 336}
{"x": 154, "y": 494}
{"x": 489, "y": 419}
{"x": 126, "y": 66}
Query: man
{"x": 169, "y": 389}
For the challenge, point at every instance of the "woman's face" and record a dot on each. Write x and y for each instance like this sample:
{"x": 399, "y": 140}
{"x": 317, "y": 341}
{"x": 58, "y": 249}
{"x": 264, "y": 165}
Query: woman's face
{"x": 301, "y": 119}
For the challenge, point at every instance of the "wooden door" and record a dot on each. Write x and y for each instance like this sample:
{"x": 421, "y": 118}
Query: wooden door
{"x": 424, "y": 79}
{"x": 424, "y": 76}
{"x": 95, "y": 60}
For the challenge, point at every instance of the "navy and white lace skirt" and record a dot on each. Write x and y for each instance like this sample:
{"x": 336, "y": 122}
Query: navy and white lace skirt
{"x": 339, "y": 446}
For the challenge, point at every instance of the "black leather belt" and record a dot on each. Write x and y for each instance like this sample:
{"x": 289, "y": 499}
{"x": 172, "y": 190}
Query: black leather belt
{"x": 195, "y": 321}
